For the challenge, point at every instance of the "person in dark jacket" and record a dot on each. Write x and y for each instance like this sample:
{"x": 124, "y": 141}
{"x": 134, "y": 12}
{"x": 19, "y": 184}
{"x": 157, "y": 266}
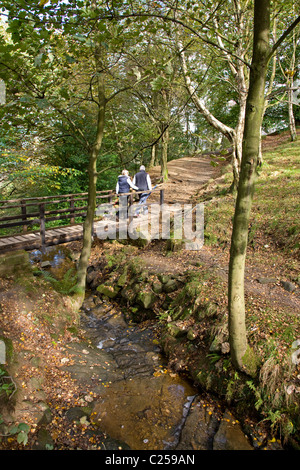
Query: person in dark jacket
{"x": 143, "y": 181}
{"x": 124, "y": 184}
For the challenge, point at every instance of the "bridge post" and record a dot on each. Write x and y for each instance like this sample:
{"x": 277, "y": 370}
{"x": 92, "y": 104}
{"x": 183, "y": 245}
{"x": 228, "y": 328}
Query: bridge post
{"x": 110, "y": 198}
{"x": 24, "y": 215}
{"x": 161, "y": 197}
{"x": 72, "y": 212}
{"x": 42, "y": 224}
{"x": 130, "y": 214}
{"x": 161, "y": 202}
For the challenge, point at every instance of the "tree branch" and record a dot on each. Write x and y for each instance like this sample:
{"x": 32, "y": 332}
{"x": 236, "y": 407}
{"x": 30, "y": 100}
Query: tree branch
{"x": 284, "y": 35}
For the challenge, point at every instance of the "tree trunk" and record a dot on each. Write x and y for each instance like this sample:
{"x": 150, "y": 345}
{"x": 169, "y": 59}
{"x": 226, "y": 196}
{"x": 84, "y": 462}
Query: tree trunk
{"x": 153, "y": 156}
{"x": 92, "y": 172}
{"x": 292, "y": 121}
{"x": 164, "y": 155}
{"x": 240, "y": 351}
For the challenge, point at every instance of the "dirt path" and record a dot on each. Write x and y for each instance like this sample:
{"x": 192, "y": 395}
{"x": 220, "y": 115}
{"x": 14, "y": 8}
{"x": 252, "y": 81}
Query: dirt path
{"x": 186, "y": 176}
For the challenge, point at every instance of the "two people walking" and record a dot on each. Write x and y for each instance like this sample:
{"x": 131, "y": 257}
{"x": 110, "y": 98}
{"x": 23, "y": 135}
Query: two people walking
{"x": 141, "y": 182}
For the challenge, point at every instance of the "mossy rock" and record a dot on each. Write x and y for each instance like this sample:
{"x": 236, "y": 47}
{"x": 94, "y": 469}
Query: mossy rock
{"x": 136, "y": 266}
{"x": 182, "y": 313}
{"x": 146, "y": 299}
{"x": 251, "y": 362}
{"x": 44, "y": 440}
{"x": 15, "y": 262}
{"x": 141, "y": 240}
{"x": 175, "y": 330}
{"x": 144, "y": 276}
{"x": 108, "y": 290}
{"x": 170, "y": 286}
{"x": 163, "y": 278}
{"x": 157, "y": 287}
{"x": 191, "y": 335}
{"x": 128, "y": 294}
{"x": 123, "y": 279}
{"x": 206, "y": 310}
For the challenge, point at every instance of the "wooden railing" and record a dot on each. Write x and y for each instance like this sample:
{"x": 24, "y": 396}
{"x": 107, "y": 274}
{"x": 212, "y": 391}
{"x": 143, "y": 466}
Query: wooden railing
{"x": 36, "y": 213}
{"x": 31, "y": 212}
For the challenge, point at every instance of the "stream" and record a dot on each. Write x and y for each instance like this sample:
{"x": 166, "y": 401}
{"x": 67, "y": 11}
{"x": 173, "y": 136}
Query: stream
{"x": 143, "y": 405}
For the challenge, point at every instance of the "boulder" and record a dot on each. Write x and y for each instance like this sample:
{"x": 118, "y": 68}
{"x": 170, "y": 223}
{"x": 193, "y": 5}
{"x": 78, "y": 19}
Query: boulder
{"x": 157, "y": 287}
{"x": 230, "y": 435}
{"x": 128, "y": 294}
{"x": 163, "y": 278}
{"x": 122, "y": 279}
{"x": 176, "y": 331}
{"x": 108, "y": 290}
{"x": 146, "y": 299}
{"x": 288, "y": 286}
{"x": 191, "y": 335}
{"x": 44, "y": 440}
{"x": 174, "y": 244}
{"x": 14, "y": 262}
{"x": 170, "y": 286}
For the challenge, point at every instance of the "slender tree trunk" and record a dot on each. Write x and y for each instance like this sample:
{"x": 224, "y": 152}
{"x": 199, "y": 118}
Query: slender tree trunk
{"x": 240, "y": 351}
{"x": 165, "y": 136}
{"x": 290, "y": 85}
{"x": 92, "y": 172}
{"x": 157, "y": 159}
{"x": 153, "y": 156}
{"x": 164, "y": 155}
{"x": 292, "y": 122}
{"x": 239, "y": 74}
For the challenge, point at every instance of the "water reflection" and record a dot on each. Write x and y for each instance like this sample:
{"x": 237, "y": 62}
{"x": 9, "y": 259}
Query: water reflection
{"x": 55, "y": 255}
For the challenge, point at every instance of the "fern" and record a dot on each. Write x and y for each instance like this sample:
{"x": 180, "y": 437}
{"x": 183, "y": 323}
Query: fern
{"x": 259, "y": 400}
{"x": 66, "y": 285}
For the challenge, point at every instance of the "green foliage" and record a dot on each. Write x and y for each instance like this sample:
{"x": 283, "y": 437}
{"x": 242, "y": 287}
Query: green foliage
{"x": 66, "y": 285}
{"x": 21, "y": 431}
{"x": 259, "y": 400}
{"x": 26, "y": 175}
{"x": 7, "y": 386}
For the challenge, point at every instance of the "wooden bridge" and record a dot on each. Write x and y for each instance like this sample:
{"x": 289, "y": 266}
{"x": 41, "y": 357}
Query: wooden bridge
{"x": 29, "y": 223}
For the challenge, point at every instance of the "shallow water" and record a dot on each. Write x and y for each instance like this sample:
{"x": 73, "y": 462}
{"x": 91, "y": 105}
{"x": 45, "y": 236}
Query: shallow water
{"x": 54, "y": 254}
{"x": 146, "y": 413}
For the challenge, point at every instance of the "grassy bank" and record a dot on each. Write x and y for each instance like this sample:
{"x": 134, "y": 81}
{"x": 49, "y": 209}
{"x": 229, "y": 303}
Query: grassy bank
{"x": 272, "y": 275}
{"x": 275, "y": 212}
